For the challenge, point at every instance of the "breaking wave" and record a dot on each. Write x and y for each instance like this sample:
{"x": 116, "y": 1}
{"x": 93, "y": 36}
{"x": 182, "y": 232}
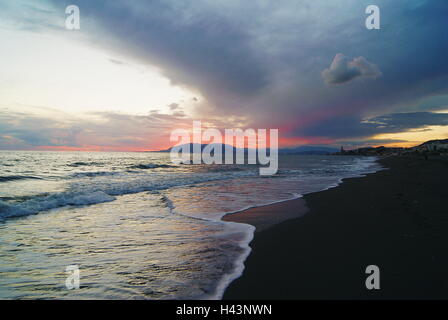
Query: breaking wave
{"x": 150, "y": 166}
{"x": 14, "y": 178}
{"x": 42, "y": 203}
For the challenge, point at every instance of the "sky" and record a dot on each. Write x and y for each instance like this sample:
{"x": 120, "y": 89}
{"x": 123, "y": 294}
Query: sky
{"x": 137, "y": 70}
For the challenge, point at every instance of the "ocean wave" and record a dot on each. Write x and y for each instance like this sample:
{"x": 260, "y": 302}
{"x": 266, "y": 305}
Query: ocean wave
{"x": 91, "y": 191}
{"x": 84, "y": 164}
{"x": 14, "y": 178}
{"x": 150, "y": 166}
{"x": 94, "y": 174}
{"x": 42, "y": 203}
{"x": 95, "y": 191}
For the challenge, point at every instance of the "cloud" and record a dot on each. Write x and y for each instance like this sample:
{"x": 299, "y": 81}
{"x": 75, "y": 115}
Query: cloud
{"x": 115, "y": 61}
{"x": 245, "y": 57}
{"x": 174, "y": 106}
{"x": 262, "y": 60}
{"x": 28, "y": 130}
{"x": 107, "y": 131}
{"x": 29, "y": 15}
{"x": 94, "y": 130}
{"x": 98, "y": 131}
{"x": 344, "y": 70}
{"x": 397, "y": 122}
{"x": 355, "y": 127}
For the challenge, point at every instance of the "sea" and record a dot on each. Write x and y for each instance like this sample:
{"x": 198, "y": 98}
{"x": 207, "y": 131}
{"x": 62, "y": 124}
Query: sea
{"x": 137, "y": 226}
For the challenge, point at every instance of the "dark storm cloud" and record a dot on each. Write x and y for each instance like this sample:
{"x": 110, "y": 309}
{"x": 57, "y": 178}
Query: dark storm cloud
{"x": 264, "y": 60}
{"x": 353, "y": 126}
{"x": 203, "y": 49}
{"x": 404, "y": 121}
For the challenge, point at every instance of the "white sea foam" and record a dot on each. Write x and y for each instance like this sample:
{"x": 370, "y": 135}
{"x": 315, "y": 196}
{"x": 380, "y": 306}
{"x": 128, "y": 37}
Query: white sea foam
{"x": 106, "y": 187}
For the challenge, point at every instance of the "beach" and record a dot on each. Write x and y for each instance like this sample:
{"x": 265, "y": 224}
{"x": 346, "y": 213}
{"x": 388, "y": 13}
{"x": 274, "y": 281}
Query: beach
{"x": 395, "y": 219}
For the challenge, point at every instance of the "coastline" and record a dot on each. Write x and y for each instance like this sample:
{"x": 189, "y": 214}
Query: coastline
{"x": 392, "y": 218}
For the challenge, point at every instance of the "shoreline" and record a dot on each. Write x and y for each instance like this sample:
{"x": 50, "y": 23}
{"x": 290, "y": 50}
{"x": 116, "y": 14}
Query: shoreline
{"x": 375, "y": 219}
{"x": 261, "y": 217}
{"x": 267, "y": 215}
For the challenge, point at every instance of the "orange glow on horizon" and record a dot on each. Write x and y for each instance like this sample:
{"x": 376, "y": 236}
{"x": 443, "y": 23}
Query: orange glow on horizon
{"x": 409, "y": 139}
{"x": 414, "y": 137}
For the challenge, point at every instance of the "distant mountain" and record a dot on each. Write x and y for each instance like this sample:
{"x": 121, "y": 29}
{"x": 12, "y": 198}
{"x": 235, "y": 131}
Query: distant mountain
{"x": 224, "y": 148}
{"x": 305, "y": 150}
{"x": 440, "y": 145}
{"x": 308, "y": 150}
{"x": 202, "y": 146}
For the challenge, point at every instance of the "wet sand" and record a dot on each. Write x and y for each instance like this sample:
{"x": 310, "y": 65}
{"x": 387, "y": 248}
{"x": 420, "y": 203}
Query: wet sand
{"x": 267, "y": 216}
{"x": 396, "y": 219}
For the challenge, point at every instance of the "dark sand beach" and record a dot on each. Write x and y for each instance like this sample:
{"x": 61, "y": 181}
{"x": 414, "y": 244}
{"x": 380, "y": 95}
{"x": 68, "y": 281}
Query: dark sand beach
{"x": 396, "y": 219}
